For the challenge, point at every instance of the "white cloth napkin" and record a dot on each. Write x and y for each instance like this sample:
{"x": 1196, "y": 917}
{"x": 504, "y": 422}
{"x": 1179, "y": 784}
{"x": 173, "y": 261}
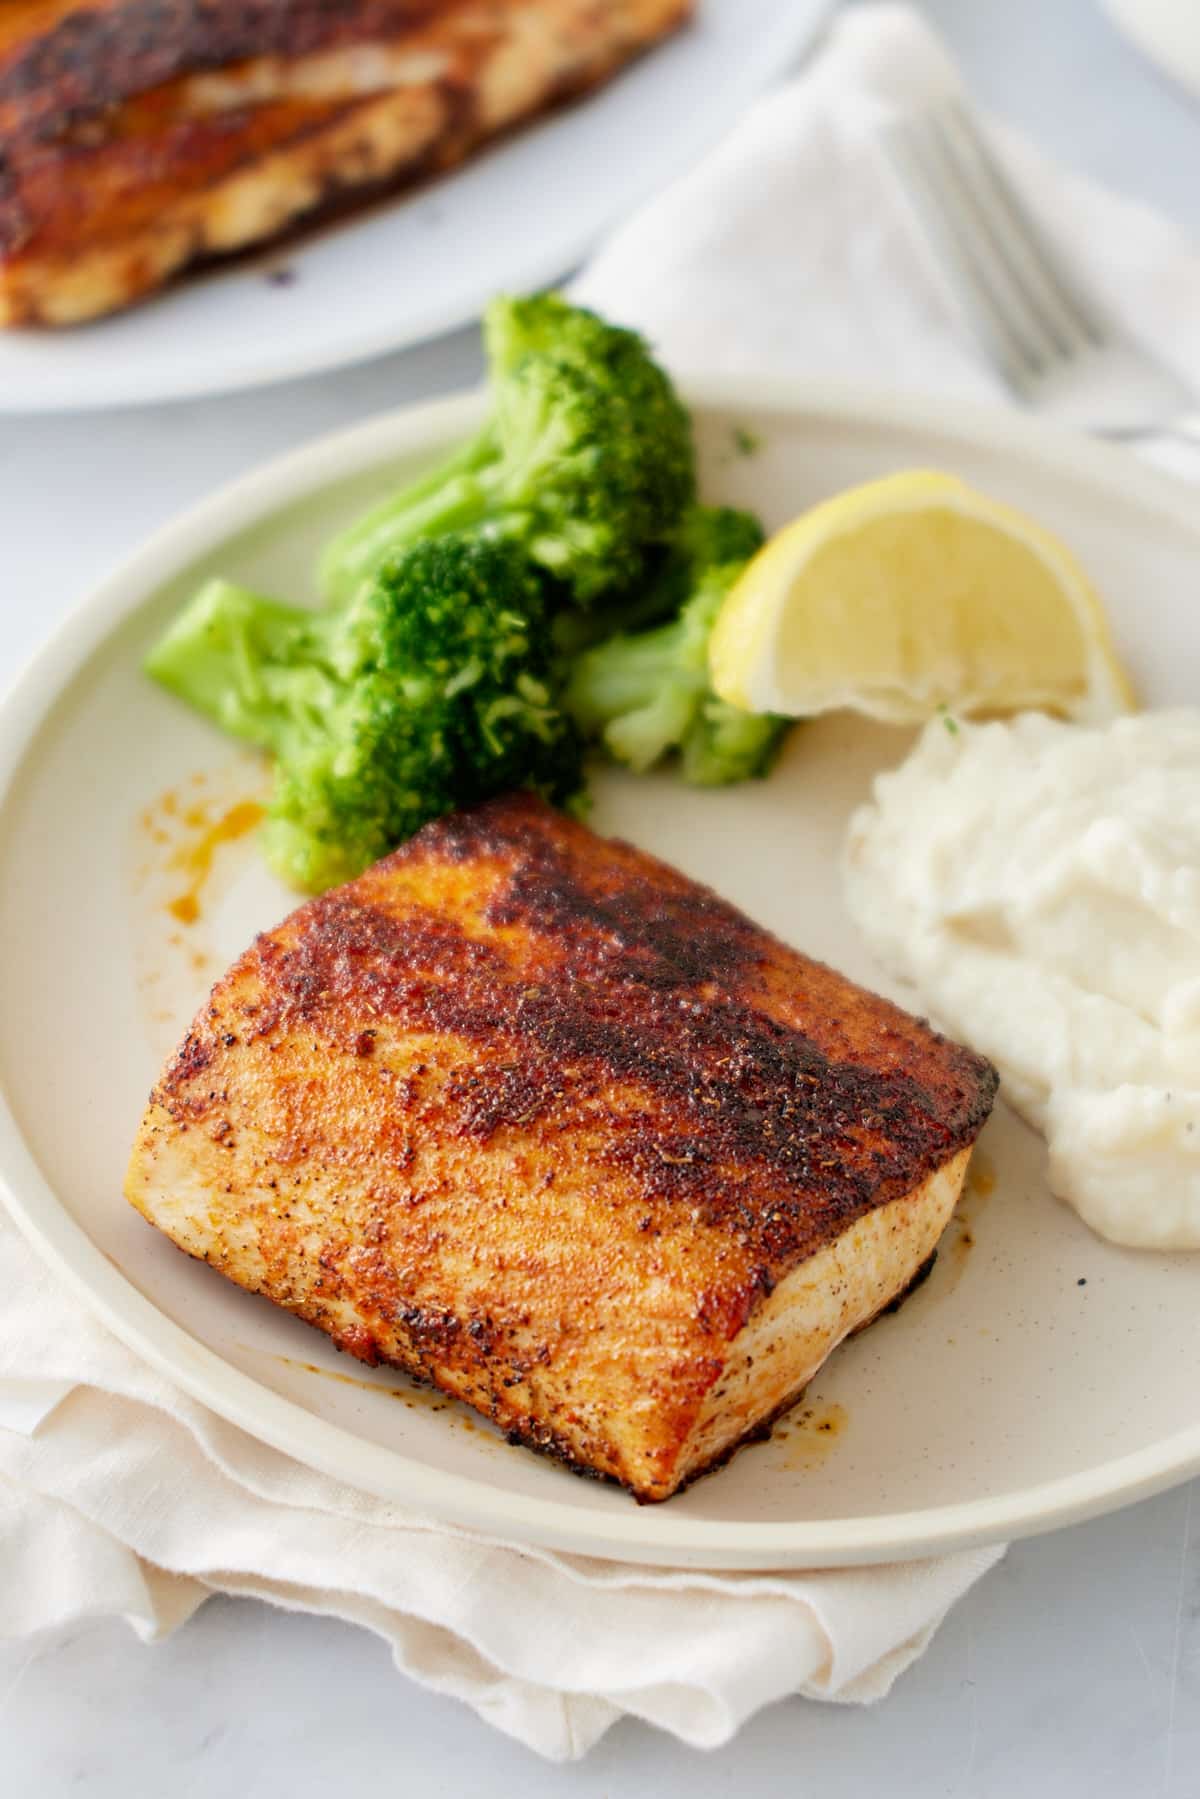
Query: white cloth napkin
{"x": 119, "y": 1495}
{"x": 788, "y": 250}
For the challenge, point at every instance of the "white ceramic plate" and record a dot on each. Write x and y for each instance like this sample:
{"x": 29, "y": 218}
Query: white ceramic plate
{"x": 519, "y": 215}
{"x": 1005, "y": 1397}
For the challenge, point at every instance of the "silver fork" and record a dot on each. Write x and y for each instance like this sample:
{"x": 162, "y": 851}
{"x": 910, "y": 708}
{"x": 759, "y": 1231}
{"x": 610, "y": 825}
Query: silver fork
{"x": 1045, "y": 336}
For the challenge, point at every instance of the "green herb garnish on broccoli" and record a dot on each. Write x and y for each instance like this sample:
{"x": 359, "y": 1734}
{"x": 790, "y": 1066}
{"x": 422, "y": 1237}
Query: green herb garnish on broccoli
{"x": 586, "y": 459}
{"x": 647, "y": 695}
{"x": 435, "y": 688}
{"x": 745, "y": 443}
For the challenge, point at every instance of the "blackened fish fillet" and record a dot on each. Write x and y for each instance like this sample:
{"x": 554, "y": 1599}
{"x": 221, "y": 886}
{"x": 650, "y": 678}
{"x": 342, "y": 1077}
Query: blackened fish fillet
{"x": 138, "y": 137}
{"x": 536, "y": 1117}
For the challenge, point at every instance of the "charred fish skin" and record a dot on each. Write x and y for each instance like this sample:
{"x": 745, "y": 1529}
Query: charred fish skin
{"x": 139, "y": 138}
{"x": 539, "y": 1119}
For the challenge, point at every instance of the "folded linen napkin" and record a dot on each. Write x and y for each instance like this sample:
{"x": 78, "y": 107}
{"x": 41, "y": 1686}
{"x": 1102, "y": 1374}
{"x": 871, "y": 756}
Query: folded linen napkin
{"x": 119, "y": 1495}
{"x": 788, "y": 251}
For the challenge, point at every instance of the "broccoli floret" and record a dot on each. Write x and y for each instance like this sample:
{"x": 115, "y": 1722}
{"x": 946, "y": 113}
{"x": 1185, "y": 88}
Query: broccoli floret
{"x": 706, "y": 537}
{"x": 249, "y": 663}
{"x": 726, "y": 744}
{"x": 648, "y": 695}
{"x": 710, "y": 536}
{"x": 586, "y": 459}
{"x": 432, "y": 690}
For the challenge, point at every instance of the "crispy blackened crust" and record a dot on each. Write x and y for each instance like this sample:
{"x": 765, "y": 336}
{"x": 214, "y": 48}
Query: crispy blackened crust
{"x": 82, "y": 60}
{"x": 781, "y": 1101}
{"x": 539, "y": 1119}
{"x": 139, "y": 137}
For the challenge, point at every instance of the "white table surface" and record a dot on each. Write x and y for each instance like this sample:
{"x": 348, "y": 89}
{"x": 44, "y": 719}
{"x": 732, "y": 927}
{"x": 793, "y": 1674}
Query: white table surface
{"x": 1073, "y": 1670}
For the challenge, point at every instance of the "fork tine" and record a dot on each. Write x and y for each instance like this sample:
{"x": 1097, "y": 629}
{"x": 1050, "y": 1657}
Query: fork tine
{"x": 975, "y": 226}
{"x": 1051, "y": 287}
{"x": 954, "y": 252}
{"x": 1031, "y": 318}
{"x": 1040, "y": 322}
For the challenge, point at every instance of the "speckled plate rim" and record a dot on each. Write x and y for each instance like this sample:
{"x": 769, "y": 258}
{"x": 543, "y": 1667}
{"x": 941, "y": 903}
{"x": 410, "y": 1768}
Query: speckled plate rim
{"x": 652, "y": 1535}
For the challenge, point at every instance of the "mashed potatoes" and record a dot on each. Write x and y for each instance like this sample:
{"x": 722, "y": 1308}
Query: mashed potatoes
{"x": 1039, "y": 883}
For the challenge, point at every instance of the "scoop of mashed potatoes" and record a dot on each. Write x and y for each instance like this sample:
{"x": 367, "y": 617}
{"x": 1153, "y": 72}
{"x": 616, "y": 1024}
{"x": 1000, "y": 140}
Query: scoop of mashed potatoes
{"x": 1039, "y": 884}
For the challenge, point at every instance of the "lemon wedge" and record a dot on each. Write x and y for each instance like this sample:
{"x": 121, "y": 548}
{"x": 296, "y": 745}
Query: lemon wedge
{"x": 911, "y": 594}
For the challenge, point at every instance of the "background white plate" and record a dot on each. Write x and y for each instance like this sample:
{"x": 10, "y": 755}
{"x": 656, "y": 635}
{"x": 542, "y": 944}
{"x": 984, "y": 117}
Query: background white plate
{"x": 1005, "y": 1397}
{"x": 517, "y": 216}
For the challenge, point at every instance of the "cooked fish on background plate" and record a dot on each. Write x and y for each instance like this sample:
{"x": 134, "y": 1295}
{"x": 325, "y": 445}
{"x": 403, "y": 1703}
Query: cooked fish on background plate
{"x": 541, "y": 1120}
{"x": 138, "y": 138}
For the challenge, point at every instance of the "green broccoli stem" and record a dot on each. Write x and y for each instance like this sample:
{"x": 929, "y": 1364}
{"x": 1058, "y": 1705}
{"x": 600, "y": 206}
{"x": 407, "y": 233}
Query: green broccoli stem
{"x": 728, "y": 745}
{"x": 459, "y": 504}
{"x": 636, "y": 691}
{"x": 439, "y": 502}
{"x": 475, "y": 488}
{"x": 648, "y": 696}
{"x": 624, "y": 673}
{"x": 643, "y": 736}
{"x": 648, "y": 604}
{"x": 251, "y": 664}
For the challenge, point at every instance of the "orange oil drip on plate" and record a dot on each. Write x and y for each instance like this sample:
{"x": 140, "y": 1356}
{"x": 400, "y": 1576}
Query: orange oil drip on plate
{"x": 981, "y": 1177}
{"x": 960, "y": 1238}
{"x": 809, "y": 1432}
{"x": 420, "y": 1398}
{"x": 195, "y": 859}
